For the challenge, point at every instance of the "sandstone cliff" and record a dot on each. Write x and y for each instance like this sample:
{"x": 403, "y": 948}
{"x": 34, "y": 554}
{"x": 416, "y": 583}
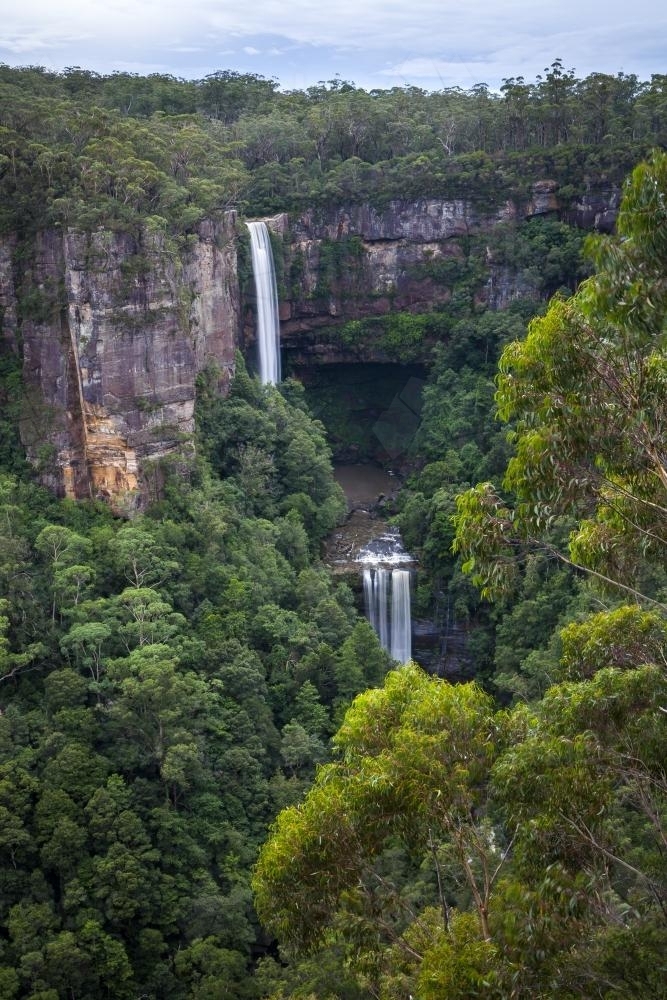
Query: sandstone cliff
{"x": 356, "y": 262}
{"x": 114, "y": 331}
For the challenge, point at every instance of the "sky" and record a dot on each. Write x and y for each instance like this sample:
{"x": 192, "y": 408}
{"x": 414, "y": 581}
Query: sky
{"x": 374, "y": 43}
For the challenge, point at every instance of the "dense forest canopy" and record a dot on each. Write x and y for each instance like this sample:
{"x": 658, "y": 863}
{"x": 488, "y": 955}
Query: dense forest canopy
{"x": 85, "y": 149}
{"x": 171, "y": 683}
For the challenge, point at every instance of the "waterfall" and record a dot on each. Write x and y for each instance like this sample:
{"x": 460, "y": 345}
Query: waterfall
{"x": 384, "y": 606}
{"x": 401, "y": 624}
{"x": 266, "y": 294}
{"x": 376, "y": 599}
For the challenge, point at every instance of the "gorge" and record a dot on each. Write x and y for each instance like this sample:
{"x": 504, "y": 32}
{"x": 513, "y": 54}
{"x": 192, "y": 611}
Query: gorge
{"x": 118, "y": 327}
{"x": 213, "y": 779}
{"x": 121, "y": 329}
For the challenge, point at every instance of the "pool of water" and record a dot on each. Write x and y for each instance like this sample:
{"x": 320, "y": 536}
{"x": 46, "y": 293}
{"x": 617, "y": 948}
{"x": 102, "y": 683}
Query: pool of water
{"x": 364, "y": 484}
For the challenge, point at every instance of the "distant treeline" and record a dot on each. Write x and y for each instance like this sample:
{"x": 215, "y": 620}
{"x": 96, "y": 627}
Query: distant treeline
{"x": 84, "y": 149}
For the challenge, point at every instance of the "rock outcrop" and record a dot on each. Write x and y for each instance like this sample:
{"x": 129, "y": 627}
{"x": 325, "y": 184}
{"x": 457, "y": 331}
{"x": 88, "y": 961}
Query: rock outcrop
{"x": 388, "y": 259}
{"x": 114, "y": 332}
{"x": 356, "y": 262}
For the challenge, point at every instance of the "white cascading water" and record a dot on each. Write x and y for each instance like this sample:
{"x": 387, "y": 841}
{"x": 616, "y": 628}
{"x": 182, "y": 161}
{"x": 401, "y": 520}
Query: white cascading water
{"x": 401, "y": 623}
{"x": 376, "y": 599}
{"x": 266, "y": 293}
{"x": 385, "y": 606}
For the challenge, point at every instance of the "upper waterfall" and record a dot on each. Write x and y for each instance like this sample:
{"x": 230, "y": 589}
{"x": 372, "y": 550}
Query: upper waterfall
{"x": 266, "y": 294}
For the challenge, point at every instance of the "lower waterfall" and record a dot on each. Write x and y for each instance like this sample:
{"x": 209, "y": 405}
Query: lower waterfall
{"x": 369, "y": 546}
{"x": 376, "y": 600}
{"x": 266, "y": 293}
{"x": 388, "y": 609}
{"x": 401, "y": 622}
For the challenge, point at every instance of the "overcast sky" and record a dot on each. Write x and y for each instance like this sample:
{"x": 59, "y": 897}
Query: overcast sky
{"x": 374, "y": 43}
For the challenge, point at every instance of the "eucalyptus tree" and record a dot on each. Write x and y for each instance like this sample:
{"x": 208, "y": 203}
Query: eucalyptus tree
{"x": 585, "y": 394}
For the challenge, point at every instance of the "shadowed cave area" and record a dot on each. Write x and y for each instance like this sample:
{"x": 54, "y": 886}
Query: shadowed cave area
{"x": 370, "y": 411}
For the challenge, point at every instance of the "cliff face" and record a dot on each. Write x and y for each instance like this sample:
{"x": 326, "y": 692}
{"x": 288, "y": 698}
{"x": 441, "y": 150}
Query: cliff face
{"x": 114, "y": 332}
{"x": 356, "y": 262}
{"x": 386, "y": 258}
{"x": 114, "y": 329}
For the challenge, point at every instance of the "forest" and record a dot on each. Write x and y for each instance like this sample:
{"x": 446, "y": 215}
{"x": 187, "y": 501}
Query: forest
{"x": 84, "y": 149}
{"x": 214, "y": 782}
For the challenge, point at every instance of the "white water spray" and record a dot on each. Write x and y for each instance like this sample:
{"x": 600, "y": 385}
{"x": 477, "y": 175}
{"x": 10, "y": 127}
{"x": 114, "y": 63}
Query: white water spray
{"x": 266, "y": 294}
{"x": 389, "y": 610}
{"x": 401, "y": 624}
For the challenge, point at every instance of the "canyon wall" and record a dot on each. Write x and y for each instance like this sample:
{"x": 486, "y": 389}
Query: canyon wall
{"x": 355, "y": 262}
{"x": 115, "y": 328}
{"x": 114, "y": 331}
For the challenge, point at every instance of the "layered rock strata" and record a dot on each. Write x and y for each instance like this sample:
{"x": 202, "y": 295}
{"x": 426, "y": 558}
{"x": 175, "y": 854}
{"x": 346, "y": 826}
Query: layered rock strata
{"x": 115, "y": 328}
{"x": 357, "y": 261}
{"x": 114, "y": 331}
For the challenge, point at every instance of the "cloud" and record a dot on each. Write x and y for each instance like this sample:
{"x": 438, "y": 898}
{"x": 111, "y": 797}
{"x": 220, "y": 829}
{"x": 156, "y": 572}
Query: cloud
{"x": 420, "y": 68}
{"x": 374, "y": 42}
{"x": 36, "y": 41}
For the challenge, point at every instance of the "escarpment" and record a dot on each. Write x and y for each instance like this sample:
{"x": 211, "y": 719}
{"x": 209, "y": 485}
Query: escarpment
{"x": 359, "y": 262}
{"x": 114, "y": 328}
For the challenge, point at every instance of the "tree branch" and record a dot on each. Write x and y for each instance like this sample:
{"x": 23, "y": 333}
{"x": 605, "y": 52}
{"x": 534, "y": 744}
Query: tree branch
{"x": 601, "y": 576}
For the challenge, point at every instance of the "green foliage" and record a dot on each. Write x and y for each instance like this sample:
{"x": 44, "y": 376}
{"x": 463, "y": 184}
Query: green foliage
{"x": 401, "y": 337}
{"x": 87, "y": 149}
{"x": 167, "y": 684}
{"x": 583, "y": 393}
{"x": 70, "y": 162}
{"x": 414, "y": 756}
{"x": 625, "y": 637}
{"x": 543, "y": 826}
{"x": 273, "y": 452}
{"x": 433, "y": 767}
{"x": 11, "y": 452}
{"x": 339, "y": 266}
{"x": 546, "y": 254}
{"x": 528, "y": 650}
